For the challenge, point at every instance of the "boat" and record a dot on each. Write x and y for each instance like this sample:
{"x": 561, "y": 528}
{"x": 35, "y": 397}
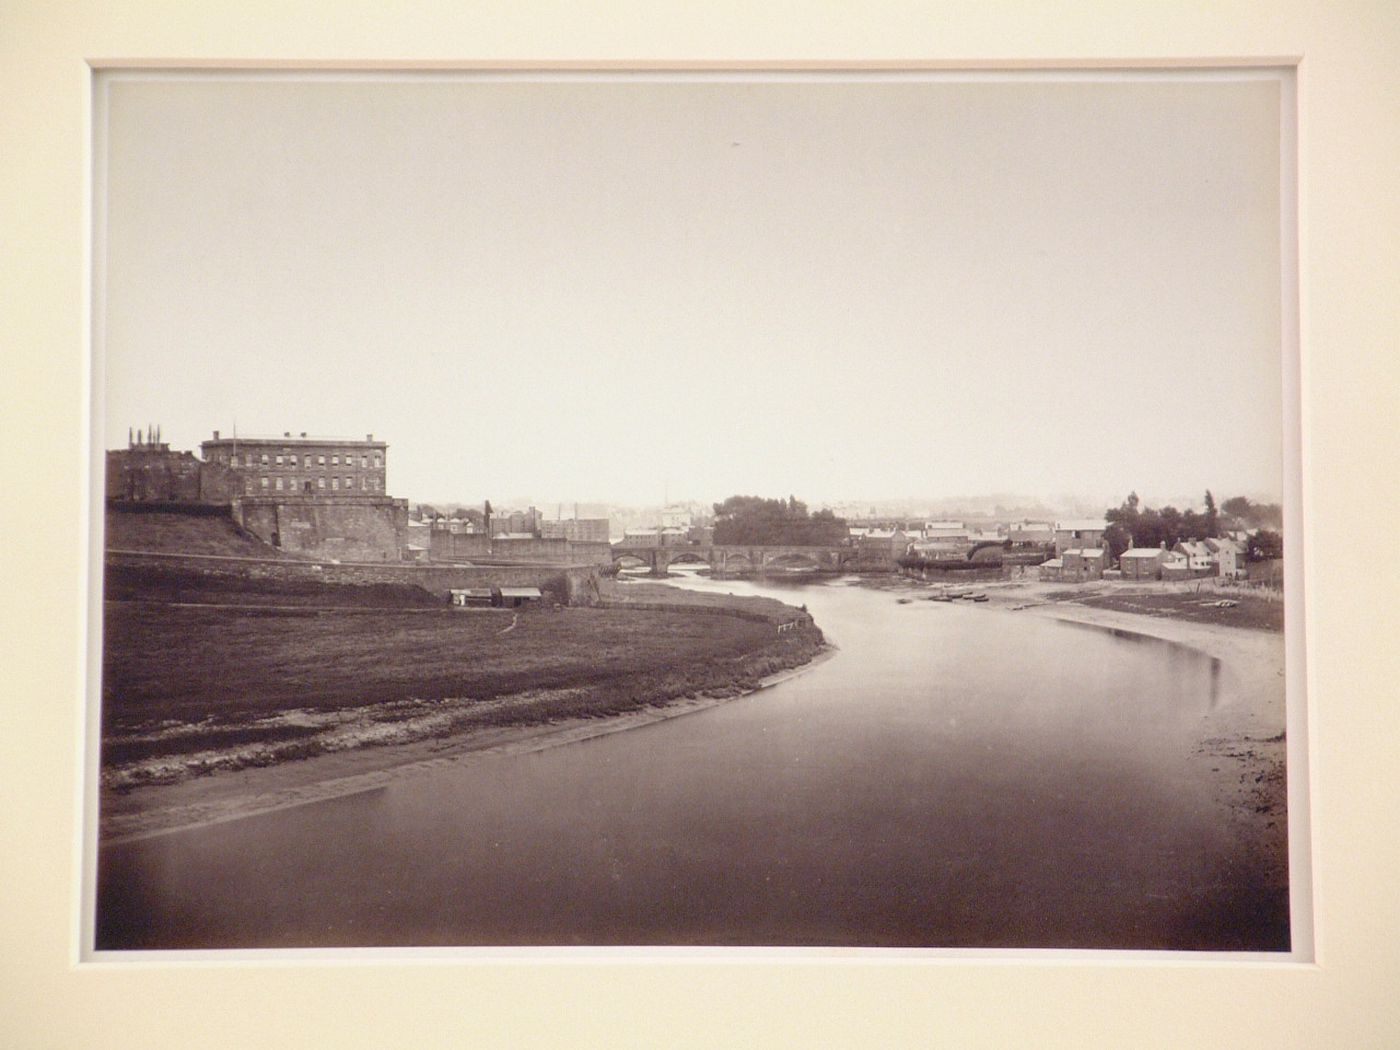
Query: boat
{"x": 977, "y": 597}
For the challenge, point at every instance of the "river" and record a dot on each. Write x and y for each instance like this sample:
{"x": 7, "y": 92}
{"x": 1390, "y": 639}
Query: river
{"x": 954, "y": 776}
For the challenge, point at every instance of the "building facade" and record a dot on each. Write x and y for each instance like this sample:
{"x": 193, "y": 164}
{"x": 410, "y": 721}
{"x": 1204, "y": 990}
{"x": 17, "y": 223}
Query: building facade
{"x": 325, "y": 468}
{"x": 588, "y": 530}
{"x": 1079, "y": 534}
{"x": 1142, "y": 563}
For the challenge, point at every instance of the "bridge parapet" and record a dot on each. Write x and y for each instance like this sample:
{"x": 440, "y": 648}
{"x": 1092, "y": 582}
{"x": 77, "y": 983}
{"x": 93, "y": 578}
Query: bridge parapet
{"x": 733, "y": 557}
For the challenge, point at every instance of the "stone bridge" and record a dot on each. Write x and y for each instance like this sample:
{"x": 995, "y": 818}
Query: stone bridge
{"x": 738, "y": 558}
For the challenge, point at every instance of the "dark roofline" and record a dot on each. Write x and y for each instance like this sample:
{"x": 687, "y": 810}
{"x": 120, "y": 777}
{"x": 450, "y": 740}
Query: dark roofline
{"x": 358, "y": 443}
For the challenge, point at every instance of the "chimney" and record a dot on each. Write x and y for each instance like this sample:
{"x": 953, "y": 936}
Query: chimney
{"x": 286, "y": 433}
{"x": 303, "y": 433}
{"x": 216, "y": 435}
{"x": 369, "y": 437}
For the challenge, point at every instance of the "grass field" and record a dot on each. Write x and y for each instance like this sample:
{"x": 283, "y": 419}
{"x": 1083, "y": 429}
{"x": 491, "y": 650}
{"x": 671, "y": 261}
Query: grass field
{"x": 264, "y": 685}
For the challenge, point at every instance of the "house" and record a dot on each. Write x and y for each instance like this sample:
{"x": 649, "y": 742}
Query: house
{"x": 1142, "y": 563}
{"x": 940, "y": 549}
{"x": 479, "y": 597}
{"x": 1079, "y": 533}
{"x": 1198, "y": 557}
{"x": 1084, "y": 563}
{"x": 1228, "y": 555}
{"x": 1076, "y": 565}
{"x": 945, "y": 530}
{"x": 1031, "y": 532}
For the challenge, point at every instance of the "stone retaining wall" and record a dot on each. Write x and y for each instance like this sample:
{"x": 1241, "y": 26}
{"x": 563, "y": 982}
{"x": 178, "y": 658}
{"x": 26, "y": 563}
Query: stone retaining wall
{"x": 570, "y": 584}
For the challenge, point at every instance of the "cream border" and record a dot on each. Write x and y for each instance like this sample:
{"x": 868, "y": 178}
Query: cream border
{"x": 1349, "y": 153}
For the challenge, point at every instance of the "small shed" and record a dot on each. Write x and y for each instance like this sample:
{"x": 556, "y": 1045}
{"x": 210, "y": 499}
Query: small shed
{"x": 472, "y": 596}
{"x": 515, "y": 597}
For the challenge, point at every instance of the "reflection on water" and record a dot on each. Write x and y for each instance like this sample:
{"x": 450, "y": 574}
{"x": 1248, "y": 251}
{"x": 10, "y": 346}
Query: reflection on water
{"x": 955, "y": 776}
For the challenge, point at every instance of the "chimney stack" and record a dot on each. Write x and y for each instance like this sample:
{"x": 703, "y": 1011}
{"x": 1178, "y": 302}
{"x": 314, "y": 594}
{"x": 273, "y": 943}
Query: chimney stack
{"x": 369, "y": 437}
{"x": 303, "y": 433}
{"x": 286, "y": 433}
{"x": 216, "y": 435}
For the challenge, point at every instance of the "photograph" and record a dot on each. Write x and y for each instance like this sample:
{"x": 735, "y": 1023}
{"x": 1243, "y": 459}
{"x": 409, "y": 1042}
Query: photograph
{"x": 786, "y": 510}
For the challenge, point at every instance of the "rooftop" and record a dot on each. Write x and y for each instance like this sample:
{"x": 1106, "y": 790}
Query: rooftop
{"x": 1081, "y": 525}
{"x": 288, "y": 438}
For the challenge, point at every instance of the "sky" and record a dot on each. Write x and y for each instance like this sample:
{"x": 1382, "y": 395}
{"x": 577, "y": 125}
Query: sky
{"x": 618, "y": 290}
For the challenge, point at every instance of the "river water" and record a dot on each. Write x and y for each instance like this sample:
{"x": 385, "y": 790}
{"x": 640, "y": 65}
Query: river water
{"x": 954, "y": 776}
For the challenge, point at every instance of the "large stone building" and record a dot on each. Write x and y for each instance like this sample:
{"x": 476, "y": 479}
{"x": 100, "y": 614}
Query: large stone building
{"x": 149, "y": 471}
{"x": 586, "y": 530}
{"x": 326, "y": 468}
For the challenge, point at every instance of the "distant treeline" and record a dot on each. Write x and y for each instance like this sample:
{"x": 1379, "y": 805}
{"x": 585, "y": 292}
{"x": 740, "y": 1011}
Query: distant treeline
{"x": 757, "y": 521}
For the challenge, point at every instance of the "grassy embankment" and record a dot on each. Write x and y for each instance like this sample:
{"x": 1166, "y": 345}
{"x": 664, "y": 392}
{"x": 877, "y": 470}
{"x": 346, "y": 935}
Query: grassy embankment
{"x": 192, "y": 691}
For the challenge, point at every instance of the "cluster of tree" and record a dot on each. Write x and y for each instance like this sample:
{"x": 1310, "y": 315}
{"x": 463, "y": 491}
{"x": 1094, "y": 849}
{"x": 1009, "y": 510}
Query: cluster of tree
{"x": 1133, "y": 525}
{"x": 1246, "y": 516}
{"x": 776, "y": 522}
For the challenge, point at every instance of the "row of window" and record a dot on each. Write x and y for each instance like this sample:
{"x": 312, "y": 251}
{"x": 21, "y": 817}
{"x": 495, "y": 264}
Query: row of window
{"x": 292, "y": 485}
{"x": 252, "y": 460}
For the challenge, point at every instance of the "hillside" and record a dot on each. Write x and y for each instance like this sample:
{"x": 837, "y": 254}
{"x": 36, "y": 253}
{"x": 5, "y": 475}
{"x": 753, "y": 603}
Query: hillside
{"x": 179, "y": 532}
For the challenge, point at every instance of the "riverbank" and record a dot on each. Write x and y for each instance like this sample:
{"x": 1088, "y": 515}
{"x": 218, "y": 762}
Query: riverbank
{"x": 317, "y": 703}
{"x": 1241, "y": 746}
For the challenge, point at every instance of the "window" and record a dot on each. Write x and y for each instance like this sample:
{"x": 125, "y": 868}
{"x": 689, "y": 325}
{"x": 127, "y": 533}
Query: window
{"x": 335, "y": 483}
{"x": 349, "y": 484}
{"x": 320, "y": 483}
{"x": 378, "y": 460}
{"x": 264, "y": 459}
{"x": 364, "y": 461}
{"x": 279, "y": 485}
{"x": 364, "y": 484}
{"x": 248, "y": 486}
{"x": 294, "y": 459}
{"x": 335, "y": 461}
{"x": 264, "y": 484}
{"x": 279, "y": 459}
{"x": 321, "y": 460}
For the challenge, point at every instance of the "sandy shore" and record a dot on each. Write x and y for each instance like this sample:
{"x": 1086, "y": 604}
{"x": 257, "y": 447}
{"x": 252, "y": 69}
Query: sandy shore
{"x": 157, "y": 809}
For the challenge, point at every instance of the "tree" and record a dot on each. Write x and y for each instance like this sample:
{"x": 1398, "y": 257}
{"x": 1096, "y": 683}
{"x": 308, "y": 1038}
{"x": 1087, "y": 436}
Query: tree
{"x": 775, "y": 522}
{"x": 1118, "y": 539}
{"x": 1264, "y": 545}
{"x": 1237, "y": 507}
{"x": 1212, "y": 517}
